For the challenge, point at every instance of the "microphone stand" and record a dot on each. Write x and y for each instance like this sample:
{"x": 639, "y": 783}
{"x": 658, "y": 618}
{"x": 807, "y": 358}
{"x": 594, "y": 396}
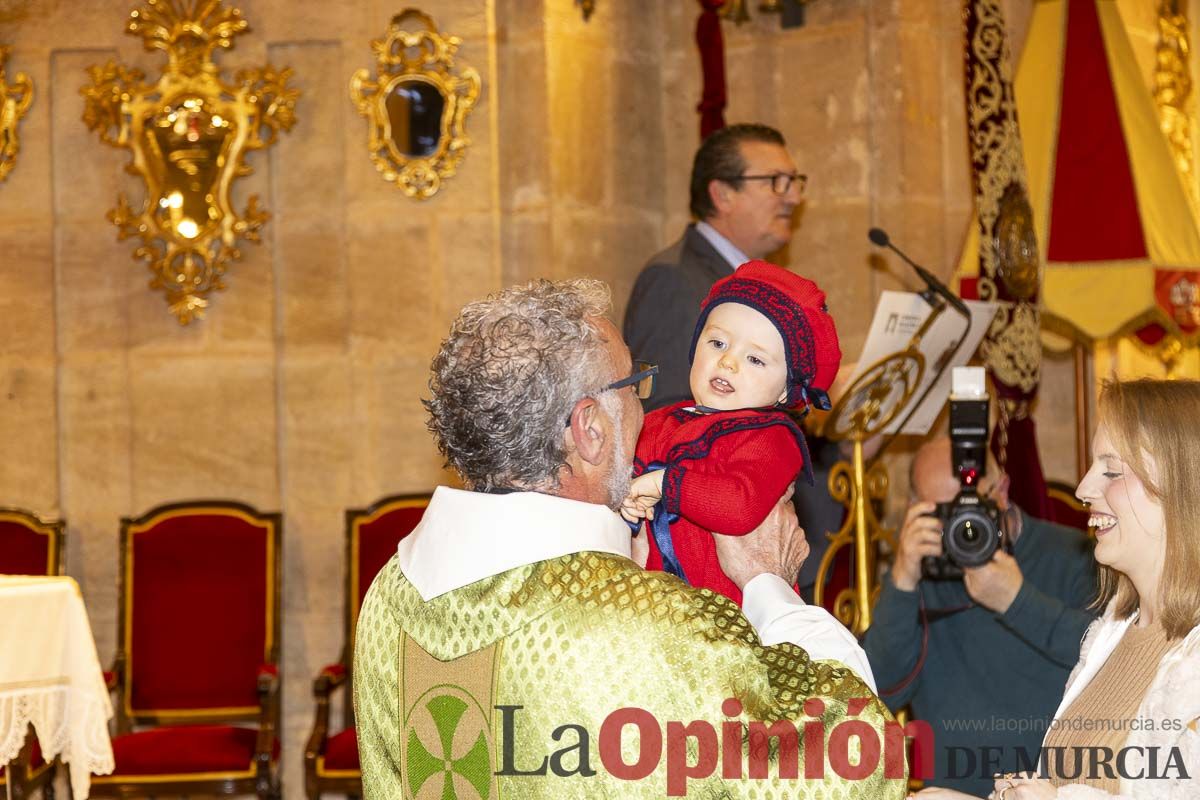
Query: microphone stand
{"x": 864, "y": 411}
{"x": 938, "y": 297}
{"x": 861, "y": 413}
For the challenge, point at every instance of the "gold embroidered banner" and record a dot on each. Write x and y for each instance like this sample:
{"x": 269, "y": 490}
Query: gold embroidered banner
{"x": 1009, "y": 262}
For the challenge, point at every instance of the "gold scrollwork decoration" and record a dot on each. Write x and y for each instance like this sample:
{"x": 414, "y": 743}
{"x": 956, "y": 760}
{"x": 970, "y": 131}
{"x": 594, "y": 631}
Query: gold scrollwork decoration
{"x": 15, "y": 99}
{"x": 1173, "y": 86}
{"x": 877, "y": 396}
{"x": 861, "y": 490}
{"x": 734, "y": 11}
{"x": 416, "y": 105}
{"x": 188, "y": 134}
{"x": 1010, "y": 265}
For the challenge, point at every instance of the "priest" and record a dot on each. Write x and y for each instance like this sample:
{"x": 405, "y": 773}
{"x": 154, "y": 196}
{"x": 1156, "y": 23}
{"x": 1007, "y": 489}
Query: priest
{"x": 515, "y": 647}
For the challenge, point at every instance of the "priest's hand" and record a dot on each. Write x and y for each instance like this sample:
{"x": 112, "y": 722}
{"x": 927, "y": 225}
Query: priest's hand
{"x": 777, "y": 546}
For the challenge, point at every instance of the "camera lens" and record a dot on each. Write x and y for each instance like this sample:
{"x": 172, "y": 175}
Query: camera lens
{"x": 971, "y": 537}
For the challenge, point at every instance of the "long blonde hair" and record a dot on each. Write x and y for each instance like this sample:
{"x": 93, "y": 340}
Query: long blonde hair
{"x": 1160, "y": 419}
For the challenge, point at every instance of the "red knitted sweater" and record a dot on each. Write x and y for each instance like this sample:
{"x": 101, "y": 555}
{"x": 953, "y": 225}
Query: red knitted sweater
{"x": 725, "y": 471}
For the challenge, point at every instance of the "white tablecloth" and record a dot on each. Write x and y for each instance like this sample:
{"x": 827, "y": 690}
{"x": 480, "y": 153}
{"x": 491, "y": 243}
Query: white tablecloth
{"x": 50, "y": 676}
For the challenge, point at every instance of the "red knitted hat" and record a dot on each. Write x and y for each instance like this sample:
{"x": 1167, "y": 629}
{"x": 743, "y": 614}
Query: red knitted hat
{"x": 797, "y": 308}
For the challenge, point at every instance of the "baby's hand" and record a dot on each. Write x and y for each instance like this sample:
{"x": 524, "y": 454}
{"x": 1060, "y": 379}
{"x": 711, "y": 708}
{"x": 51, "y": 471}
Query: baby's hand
{"x": 644, "y": 492}
{"x": 635, "y": 509}
{"x": 647, "y": 486}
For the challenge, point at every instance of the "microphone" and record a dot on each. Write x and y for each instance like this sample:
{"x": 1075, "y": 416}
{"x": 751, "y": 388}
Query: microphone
{"x": 879, "y": 237}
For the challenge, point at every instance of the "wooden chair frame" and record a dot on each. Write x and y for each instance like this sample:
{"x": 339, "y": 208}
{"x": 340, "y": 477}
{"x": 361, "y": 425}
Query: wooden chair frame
{"x": 29, "y": 779}
{"x": 317, "y": 779}
{"x": 260, "y": 779}
{"x": 26, "y": 779}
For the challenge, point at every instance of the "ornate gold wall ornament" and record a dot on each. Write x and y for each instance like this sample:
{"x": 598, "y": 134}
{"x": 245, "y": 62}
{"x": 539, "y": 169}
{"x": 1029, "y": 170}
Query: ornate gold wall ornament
{"x": 416, "y": 105}
{"x": 588, "y": 7}
{"x": 735, "y": 11}
{"x": 188, "y": 134}
{"x": 1173, "y": 86}
{"x": 15, "y": 99}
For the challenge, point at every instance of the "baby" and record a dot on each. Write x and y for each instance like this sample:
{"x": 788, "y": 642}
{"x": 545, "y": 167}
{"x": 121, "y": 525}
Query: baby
{"x": 764, "y": 343}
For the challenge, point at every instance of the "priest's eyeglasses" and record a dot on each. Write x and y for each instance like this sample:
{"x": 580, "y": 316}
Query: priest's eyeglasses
{"x": 642, "y": 380}
{"x": 781, "y": 182}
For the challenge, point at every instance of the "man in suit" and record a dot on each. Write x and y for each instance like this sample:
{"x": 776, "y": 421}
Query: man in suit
{"x": 744, "y": 191}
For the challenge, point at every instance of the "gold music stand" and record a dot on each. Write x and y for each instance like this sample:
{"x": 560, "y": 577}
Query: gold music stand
{"x": 865, "y": 410}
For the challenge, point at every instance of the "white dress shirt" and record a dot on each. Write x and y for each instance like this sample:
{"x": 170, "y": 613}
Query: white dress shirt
{"x": 728, "y": 250}
{"x": 465, "y": 537}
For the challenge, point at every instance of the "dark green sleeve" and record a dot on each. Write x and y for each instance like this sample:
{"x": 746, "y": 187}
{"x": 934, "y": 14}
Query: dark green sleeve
{"x": 893, "y": 642}
{"x": 1052, "y": 626}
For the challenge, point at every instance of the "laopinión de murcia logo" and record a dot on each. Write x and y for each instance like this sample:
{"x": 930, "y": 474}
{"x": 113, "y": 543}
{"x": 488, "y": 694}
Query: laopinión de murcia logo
{"x": 448, "y": 751}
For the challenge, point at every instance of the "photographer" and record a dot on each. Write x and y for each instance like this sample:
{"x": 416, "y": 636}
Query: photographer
{"x": 982, "y": 657}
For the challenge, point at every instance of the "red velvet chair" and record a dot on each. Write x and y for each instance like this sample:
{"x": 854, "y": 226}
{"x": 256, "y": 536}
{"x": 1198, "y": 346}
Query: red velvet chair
{"x": 29, "y": 545}
{"x": 198, "y": 653}
{"x": 331, "y": 761}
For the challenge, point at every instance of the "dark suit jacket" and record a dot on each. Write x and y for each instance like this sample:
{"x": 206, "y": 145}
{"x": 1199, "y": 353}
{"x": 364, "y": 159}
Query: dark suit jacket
{"x": 663, "y": 309}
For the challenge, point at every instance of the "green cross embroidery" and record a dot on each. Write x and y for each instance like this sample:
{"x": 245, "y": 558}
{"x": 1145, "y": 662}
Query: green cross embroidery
{"x": 475, "y": 766}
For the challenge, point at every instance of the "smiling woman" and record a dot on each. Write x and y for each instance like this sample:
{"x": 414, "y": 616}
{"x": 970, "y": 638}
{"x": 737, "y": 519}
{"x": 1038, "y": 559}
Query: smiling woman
{"x": 1127, "y": 517}
{"x": 1145, "y": 500}
{"x": 1129, "y": 722}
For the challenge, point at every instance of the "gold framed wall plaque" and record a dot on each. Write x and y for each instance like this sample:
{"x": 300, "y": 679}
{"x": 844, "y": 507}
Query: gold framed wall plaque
{"x": 15, "y": 99}
{"x": 188, "y": 134}
{"x": 416, "y": 105}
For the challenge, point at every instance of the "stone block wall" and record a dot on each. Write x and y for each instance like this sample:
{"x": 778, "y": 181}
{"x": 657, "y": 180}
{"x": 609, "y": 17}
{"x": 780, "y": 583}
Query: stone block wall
{"x": 300, "y": 391}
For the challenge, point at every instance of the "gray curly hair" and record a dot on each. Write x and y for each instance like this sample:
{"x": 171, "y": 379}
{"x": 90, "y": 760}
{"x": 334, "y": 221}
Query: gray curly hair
{"x": 505, "y": 380}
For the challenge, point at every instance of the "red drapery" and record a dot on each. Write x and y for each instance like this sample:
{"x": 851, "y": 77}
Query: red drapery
{"x": 1098, "y": 219}
{"x": 712, "y": 66}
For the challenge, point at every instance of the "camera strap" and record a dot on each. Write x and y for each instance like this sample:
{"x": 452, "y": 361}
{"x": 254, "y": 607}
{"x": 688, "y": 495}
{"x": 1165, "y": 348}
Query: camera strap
{"x": 941, "y": 613}
{"x": 927, "y": 616}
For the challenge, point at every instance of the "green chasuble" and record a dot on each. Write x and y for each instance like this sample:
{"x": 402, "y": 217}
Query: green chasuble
{"x": 585, "y": 676}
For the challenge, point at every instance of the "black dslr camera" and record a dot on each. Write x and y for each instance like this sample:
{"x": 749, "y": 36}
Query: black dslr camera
{"x": 971, "y": 531}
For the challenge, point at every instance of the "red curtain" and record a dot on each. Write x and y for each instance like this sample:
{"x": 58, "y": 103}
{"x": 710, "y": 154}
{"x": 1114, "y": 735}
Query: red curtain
{"x": 1098, "y": 219}
{"x": 712, "y": 66}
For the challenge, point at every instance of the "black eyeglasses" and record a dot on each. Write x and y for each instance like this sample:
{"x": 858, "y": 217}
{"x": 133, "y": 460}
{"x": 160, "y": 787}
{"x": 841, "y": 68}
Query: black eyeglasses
{"x": 781, "y": 182}
{"x": 642, "y": 380}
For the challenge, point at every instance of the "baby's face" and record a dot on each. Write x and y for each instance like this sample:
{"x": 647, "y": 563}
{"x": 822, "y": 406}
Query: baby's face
{"x": 739, "y": 361}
